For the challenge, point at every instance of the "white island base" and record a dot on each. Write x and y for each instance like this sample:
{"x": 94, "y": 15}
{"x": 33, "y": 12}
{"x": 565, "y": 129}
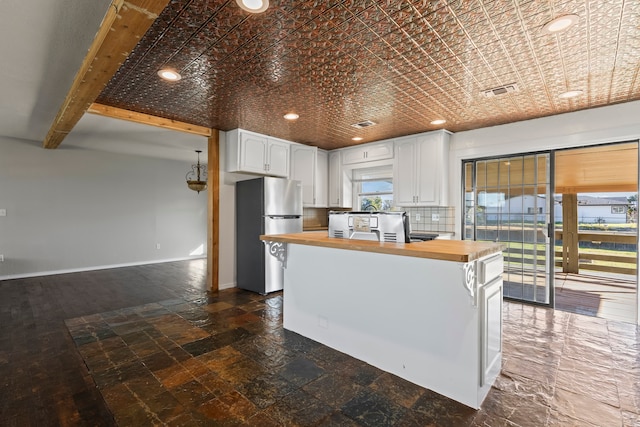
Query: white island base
{"x": 414, "y": 317}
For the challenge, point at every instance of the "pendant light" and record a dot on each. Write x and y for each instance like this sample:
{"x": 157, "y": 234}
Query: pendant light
{"x": 199, "y": 172}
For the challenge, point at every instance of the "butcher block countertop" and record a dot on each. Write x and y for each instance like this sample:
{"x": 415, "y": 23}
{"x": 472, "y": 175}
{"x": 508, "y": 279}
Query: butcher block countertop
{"x": 447, "y": 250}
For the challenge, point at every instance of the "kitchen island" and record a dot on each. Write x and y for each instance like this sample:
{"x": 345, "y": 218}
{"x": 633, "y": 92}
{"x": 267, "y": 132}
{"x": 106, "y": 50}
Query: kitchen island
{"x": 429, "y": 312}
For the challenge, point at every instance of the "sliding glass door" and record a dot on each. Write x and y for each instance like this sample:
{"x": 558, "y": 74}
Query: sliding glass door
{"x": 509, "y": 200}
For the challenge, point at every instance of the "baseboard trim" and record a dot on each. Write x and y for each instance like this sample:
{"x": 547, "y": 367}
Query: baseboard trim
{"x": 98, "y": 267}
{"x": 227, "y": 286}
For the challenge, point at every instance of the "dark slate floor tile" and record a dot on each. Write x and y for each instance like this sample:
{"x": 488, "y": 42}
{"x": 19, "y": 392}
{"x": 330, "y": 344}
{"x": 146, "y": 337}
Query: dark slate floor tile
{"x": 370, "y": 409}
{"x": 265, "y": 390}
{"x": 396, "y": 389}
{"x": 333, "y": 389}
{"x": 298, "y": 408}
{"x": 300, "y": 371}
{"x": 118, "y": 357}
{"x": 434, "y": 409}
{"x": 202, "y": 346}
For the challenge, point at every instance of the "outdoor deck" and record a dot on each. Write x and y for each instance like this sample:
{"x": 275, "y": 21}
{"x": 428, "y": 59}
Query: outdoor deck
{"x": 609, "y": 296}
{"x": 605, "y": 295}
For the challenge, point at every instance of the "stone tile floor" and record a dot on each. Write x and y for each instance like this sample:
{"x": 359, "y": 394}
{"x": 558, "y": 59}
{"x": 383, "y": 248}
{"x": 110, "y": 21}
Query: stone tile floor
{"x": 226, "y": 360}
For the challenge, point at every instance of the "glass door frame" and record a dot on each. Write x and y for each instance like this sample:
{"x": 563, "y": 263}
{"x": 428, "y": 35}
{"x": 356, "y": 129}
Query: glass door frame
{"x": 550, "y": 228}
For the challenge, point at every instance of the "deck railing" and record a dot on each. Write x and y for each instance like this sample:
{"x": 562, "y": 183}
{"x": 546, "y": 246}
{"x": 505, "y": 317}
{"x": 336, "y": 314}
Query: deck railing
{"x": 625, "y": 264}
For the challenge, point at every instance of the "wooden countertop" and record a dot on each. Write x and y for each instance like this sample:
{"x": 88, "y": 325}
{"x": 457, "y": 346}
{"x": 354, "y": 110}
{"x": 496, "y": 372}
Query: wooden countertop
{"x": 447, "y": 250}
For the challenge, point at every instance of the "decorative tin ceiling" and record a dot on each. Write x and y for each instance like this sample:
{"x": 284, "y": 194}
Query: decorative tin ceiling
{"x": 400, "y": 64}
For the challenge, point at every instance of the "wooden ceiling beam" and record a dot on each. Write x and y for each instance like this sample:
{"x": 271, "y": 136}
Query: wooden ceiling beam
{"x": 147, "y": 119}
{"x": 124, "y": 24}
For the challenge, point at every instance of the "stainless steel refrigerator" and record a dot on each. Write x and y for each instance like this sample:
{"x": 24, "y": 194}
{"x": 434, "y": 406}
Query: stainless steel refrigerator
{"x": 264, "y": 206}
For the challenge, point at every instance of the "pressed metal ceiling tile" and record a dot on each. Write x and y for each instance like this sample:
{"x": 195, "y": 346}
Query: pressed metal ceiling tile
{"x": 400, "y": 63}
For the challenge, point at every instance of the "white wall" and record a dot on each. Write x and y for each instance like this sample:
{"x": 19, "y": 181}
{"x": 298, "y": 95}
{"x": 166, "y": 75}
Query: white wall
{"x": 616, "y": 123}
{"x": 79, "y": 207}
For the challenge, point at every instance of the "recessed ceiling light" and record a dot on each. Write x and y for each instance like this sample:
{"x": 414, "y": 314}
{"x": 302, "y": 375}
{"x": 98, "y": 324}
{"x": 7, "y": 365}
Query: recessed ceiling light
{"x": 439, "y": 122}
{"x": 570, "y": 94}
{"x": 169, "y": 74}
{"x": 253, "y": 6}
{"x": 291, "y": 116}
{"x": 560, "y": 23}
{"x": 357, "y": 138}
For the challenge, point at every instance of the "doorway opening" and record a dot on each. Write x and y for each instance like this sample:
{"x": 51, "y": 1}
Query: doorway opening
{"x": 596, "y": 235}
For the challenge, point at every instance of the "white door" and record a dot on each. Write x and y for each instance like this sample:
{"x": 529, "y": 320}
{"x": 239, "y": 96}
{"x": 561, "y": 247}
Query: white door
{"x": 494, "y": 210}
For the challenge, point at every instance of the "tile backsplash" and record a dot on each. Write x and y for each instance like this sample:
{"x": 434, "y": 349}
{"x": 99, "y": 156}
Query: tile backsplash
{"x": 318, "y": 217}
{"x": 440, "y": 219}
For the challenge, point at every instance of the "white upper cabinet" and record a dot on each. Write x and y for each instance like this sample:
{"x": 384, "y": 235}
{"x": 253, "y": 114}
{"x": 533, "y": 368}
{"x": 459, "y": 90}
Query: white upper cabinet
{"x": 421, "y": 170}
{"x": 309, "y": 166}
{"x": 368, "y": 152}
{"x": 277, "y": 159}
{"x": 340, "y": 191}
{"x": 322, "y": 180}
{"x": 254, "y": 153}
{"x": 303, "y": 169}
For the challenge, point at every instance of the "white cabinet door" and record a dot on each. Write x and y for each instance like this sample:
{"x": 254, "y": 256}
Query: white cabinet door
{"x": 421, "y": 170}
{"x": 335, "y": 169}
{"x": 379, "y": 151}
{"x": 368, "y": 152}
{"x": 428, "y": 170}
{"x": 339, "y": 182}
{"x": 303, "y": 169}
{"x": 255, "y": 153}
{"x": 354, "y": 155}
{"x": 322, "y": 179}
{"x": 491, "y": 333}
{"x": 252, "y": 153}
{"x": 404, "y": 176}
{"x": 277, "y": 159}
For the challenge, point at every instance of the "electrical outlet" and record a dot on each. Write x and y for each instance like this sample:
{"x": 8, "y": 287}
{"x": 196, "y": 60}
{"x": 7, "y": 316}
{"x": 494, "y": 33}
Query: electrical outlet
{"x": 417, "y": 217}
{"x": 157, "y": 245}
{"x": 1, "y": 258}
{"x": 435, "y": 217}
{"x": 3, "y": 212}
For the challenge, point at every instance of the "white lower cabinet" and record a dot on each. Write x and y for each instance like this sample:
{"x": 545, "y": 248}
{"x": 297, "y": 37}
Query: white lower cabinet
{"x": 421, "y": 168}
{"x": 489, "y": 275}
{"x": 255, "y": 153}
{"x": 340, "y": 192}
{"x": 491, "y": 334}
{"x": 309, "y": 166}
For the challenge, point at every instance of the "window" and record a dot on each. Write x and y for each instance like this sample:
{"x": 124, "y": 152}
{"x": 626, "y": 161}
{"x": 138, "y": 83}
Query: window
{"x": 619, "y": 209}
{"x": 373, "y": 188}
